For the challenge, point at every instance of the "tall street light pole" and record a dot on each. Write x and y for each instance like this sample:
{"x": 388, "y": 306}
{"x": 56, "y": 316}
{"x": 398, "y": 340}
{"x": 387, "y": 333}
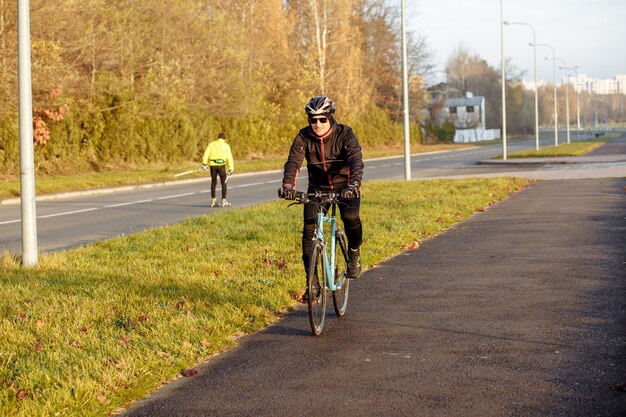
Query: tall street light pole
{"x": 535, "y": 76}
{"x": 556, "y": 113}
{"x": 405, "y": 100}
{"x": 566, "y": 95}
{"x": 503, "y": 81}
{"x": 575, "y": 69}
{"x": 27, "y": 159}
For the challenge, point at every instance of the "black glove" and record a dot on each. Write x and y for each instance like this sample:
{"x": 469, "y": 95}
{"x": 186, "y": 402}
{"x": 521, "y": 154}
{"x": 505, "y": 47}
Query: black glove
{"x": 287, "y": 192}
{"x": 351, "y": 191}
{"x": 204, "y": 167}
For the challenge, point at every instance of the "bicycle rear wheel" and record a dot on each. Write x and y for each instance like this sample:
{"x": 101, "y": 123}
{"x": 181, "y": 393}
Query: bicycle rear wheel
{"x": 340, "y": 296}
{"x": 317, "y": 289}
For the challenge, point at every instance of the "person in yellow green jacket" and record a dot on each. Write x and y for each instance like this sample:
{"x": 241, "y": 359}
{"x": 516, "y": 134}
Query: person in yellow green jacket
{"x": 219, "y": 158}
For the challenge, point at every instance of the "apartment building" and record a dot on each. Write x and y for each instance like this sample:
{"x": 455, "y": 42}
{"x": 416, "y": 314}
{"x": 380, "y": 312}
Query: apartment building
{"x": 615, "y": 85}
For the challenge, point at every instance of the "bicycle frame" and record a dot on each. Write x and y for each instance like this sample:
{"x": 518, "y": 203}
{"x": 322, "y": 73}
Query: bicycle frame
{"x": 323, "y": 262}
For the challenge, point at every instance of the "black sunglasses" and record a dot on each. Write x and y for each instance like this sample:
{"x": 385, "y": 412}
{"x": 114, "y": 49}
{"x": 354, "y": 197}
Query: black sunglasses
{"x": 318, "y": 120}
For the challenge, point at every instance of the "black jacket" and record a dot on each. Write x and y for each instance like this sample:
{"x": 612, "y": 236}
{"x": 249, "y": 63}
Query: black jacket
{"x": 331, "y": 166}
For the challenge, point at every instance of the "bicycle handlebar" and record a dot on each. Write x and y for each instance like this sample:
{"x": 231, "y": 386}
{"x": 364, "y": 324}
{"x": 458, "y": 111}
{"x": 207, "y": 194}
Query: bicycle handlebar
{"x": 303, "y": 198}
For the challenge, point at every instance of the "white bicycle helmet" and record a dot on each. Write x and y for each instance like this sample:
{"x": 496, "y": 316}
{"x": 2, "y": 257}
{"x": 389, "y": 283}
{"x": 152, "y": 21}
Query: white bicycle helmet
{"x": 319, "y": 105}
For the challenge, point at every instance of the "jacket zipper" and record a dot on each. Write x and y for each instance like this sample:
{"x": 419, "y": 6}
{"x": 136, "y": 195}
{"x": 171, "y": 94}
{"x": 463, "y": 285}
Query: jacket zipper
{"x": 325, "y": 167}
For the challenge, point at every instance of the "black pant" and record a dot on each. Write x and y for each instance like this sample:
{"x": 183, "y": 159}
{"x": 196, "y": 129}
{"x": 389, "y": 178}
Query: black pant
{"x": 221, "y": 171}
{"x": 350, "y": 216}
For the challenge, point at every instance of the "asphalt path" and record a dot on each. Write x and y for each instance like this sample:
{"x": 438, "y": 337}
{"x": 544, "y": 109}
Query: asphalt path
{"x": 518, "y": 311}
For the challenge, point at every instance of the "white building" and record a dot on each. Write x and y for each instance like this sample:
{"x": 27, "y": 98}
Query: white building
{"x": 615, "y": 85}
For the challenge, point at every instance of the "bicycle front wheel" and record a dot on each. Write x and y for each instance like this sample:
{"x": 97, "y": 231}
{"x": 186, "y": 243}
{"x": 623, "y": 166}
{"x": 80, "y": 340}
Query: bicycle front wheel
{"x": 316, "y": 288}
{"x": 340, "y": 296}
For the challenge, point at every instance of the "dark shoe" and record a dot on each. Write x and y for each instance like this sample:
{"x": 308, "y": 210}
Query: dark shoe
{"x": 354, "y": 263}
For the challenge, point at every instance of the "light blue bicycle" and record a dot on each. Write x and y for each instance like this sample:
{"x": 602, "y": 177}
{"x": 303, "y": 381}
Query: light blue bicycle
{"x": 328, "y": 264}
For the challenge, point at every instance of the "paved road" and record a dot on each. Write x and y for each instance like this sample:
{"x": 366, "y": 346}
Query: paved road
{"x": 69, "y": 220}
{"x": 65, "y": 221}
{"x": 518, "y": 311}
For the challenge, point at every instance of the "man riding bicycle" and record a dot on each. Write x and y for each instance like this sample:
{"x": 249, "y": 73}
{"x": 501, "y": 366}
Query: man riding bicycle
{"x": 334, "y": 163}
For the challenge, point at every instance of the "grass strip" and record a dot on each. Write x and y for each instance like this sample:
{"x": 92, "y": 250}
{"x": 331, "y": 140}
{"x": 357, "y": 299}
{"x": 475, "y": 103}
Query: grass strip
{"x": 568, "y": 149}
{"x": 92, "y": 329}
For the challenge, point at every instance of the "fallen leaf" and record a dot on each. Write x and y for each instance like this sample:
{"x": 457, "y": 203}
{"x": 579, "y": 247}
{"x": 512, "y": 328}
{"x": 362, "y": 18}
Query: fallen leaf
{"x": 121, "y": 364}
{"x": 191, "y": 249}
{"x": 21, "y": 394}
{"x": 40, "y": 323}
{"x": 205, "y": 343}
{"x": 619, "y": 387}
{"x": 143, "y": 317}
{"x": 21, "y": 315}
{"x": 298, "y": 296}
{"x": 38, "y": 346}
{"x": 180, "y": 305}
{"x": 83, "y": 329}
{"x": 412, "y": 246}
{"x": 281, "y": 264}
{"x": 267, "y": 261}
{"x": 189, "y": 372}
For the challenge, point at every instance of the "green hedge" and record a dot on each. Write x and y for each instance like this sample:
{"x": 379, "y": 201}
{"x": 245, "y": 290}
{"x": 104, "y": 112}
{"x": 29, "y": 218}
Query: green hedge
{"x": 130, "y": 132}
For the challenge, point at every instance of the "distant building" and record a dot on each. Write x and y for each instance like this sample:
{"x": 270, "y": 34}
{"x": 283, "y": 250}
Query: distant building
{"x": 615, "y": 85}
{"x": 466, "y": 112}
{"x": 582, "y": 83}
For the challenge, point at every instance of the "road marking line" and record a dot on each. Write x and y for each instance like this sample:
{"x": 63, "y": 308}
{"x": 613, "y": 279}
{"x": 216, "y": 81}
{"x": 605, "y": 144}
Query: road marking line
{"x": 128, "y": 204}
{"x": 68, "y": 212}
{"x": 175, "y": 196}
{"x": 252, "y": 184}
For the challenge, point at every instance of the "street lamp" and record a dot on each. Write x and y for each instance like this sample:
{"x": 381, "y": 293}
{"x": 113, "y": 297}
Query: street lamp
{"x": 535, "y": 83}
{"x": 566, "y": 95}
{"x": 556, "y": 114}
{"x": 503, "y": 81}
{"x": 575, "y": 69}
{"x": 27, "y": 164}
{"x": 405, "y": 101}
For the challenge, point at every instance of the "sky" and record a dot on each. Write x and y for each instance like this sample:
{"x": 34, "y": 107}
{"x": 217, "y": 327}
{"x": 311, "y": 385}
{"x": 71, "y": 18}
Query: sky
{"x": 583, "y": 33}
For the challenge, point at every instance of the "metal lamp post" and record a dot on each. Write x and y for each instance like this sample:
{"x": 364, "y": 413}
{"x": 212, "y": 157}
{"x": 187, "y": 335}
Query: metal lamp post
{"x": 535, "y": 77}
{"x": 503, "y": 81}
{"x": 405, "y": 101}
{"x": 575, "y": 69}
{"x": 566, "y": 95}
{"x": 556, "y": 113}
{"x": 27, "y": 163}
